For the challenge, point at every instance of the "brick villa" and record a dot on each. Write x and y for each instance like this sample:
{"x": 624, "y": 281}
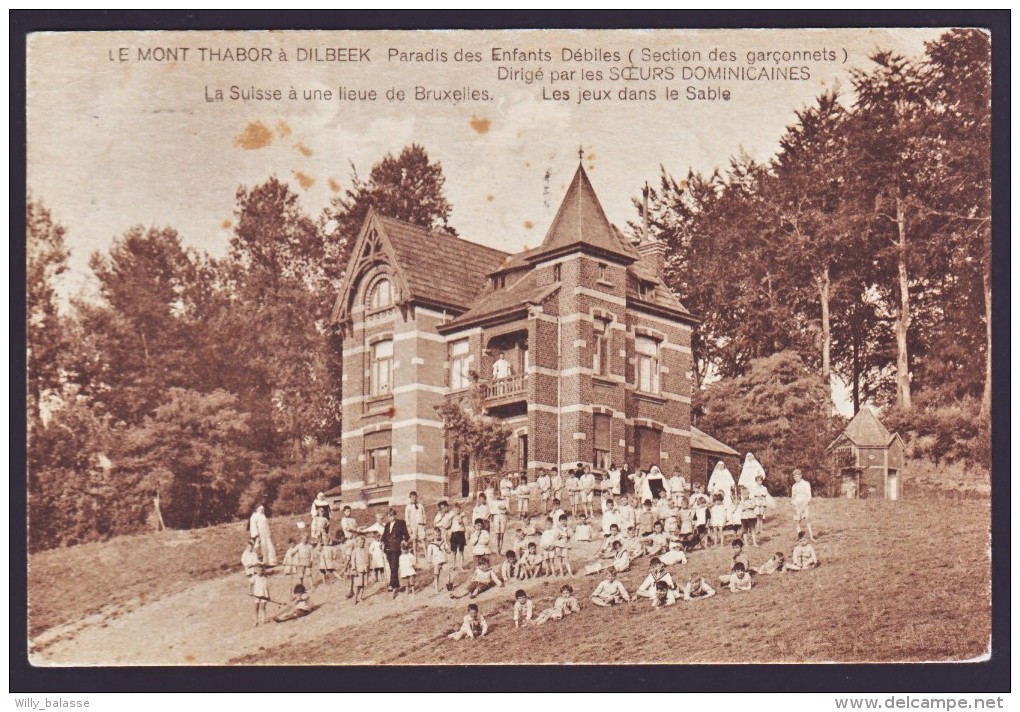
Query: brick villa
{"x": 580, "y": 348}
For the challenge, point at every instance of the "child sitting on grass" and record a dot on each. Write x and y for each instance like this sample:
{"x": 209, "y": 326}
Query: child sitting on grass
{"x": 481, "y": 580}
{"x": 562, "y": 607}
{"x": 739, "y": 559}
{"x": 299, "y": 606}
{"x": 610, "y": 591}
{"x": 804, "y": 556}
{"x": 510, "y": 568}
{"x": 664, "y": 595}
{"x": 619, "y": 561}
{"x": 657, "y": 542}
{"x": 740, "y": 579}
{"x": 526, "y": 535}
{"x": 697, "y": 587}
{"x": 657, "y": 572}
{"x": 775, "y": 565}
{"x": 531, "y": 562}
{"x": 473, "y": 626}
{"x": 524, "y": 609}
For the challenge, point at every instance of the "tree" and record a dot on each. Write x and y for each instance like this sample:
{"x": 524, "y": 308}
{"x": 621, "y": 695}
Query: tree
{"x": 194, "y": 449}
{"x": 472, "y": 432}
{"x": 46, "y": 260}
{"x": 956, "y": 86}
{"x": 780, "y": 410}
{"x": 141, "y": 327}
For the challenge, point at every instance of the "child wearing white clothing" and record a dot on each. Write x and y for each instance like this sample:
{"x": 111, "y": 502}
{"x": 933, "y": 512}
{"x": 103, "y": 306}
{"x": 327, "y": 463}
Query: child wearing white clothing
{"x": 610, "y": 591}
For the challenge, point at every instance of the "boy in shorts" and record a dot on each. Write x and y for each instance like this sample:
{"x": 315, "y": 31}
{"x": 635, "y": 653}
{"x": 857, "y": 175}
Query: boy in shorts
{"x": 474, "y": 625}
{"x": 800, "y": 497}
{"x": 458, "y": 537}
{"x": 544, "y": 484}
{"x": 804, "y": 556}
{"x": 610, "y": 591}
{"x": 415, "y": 518}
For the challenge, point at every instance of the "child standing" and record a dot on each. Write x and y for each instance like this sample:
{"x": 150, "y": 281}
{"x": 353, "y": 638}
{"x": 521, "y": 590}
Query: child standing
{"x": 586, "y": 485}
{"x": 474, "y": 625}
{"x": 415, "y": 518}
{"x": 288, "y": 558}
{"x": 436, "y": 554}
{"x": 562, "y": 607}
{"x": 748, "y": 518}
{"x": 524, "y": 609}
{"x": 556, "y": 484}
{"x": 646, "y": 519}
{"x": 544, "y": 484}
{"x": 583, "y": 531}
{"x": 303, "y": 560}
{"x": 406, "y": 565}
{"x": 610, "y": 591}
{"x": 562, "y": 544}
{"x": 800, "y": 497}
{"x": 259, "y": 590}
{"x": 497, "y": 526}
{"x": 523, "y": 497}
{"x": 348, "y": 524}
{"x": 249, "y": 558}
{"x": 481, "y": 510}
{"x": 458, "y": 537}
{"x": 718, "y": 518}
{"x": 479, "y": 541}
{"x": 444, "y": 519}
{"x": 357, "y": 569}
{"x": 377, "y": 556}
{"x": 547, "y": 545}
{"x": 761, "y": 501}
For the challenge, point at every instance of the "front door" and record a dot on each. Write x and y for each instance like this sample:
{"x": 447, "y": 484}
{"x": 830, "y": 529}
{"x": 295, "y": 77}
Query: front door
{"x": 465, "y": 476}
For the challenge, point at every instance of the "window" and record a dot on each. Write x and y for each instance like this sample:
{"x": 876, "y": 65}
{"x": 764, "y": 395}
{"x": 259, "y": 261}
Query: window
{"x": 460, "y": 364}
{"x": 603, "y": 272}
{"x": 602, "y": 357}
{"x": 646, "y": 290}
{"x": 380, "y": 295}
{"x": 382, "y": 368}
{"x": 603, "y": 439}
{"x": 522, "y": 452}
{"x": 557, "y": 273}
{"x": 647, "y": 350}
{"x": 378, "y": 466}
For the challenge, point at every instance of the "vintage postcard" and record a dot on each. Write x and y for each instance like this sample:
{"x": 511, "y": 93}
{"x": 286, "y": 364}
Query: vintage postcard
{"x": 509, "y": 347}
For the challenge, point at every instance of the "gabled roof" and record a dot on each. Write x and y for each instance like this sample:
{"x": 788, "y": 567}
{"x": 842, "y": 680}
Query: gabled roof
{"x": 431, "y": 267}
{"x": 866, "y": 430}
{"x": 706, "y": 443}
{"x": 581, "y": 223}
{"x": 441, "y": 268}
{"x": 500, "y": 302}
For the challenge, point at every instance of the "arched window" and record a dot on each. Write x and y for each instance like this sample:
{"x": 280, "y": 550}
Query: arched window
{"x": 380, "y": 295}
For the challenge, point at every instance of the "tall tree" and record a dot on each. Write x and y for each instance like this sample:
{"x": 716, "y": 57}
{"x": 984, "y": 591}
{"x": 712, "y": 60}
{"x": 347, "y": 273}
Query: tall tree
{"x": 892, "y": 165}
{"x": 956, "y": 85}
{"x": 46, "y": 260}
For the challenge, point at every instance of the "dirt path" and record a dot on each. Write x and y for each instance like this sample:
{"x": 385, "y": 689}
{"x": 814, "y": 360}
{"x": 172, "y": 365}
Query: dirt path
{"x": 213, "y": 622}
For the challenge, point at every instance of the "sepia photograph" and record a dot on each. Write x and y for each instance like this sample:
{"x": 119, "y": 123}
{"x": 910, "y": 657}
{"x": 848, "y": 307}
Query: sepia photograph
{"x": 509, "y": 347}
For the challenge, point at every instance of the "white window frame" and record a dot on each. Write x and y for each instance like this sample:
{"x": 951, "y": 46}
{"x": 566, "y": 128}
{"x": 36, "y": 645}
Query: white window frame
{"x": 381, "y": 379}
{"x": 646, "y": 364}
{"x": 461, "y": 359}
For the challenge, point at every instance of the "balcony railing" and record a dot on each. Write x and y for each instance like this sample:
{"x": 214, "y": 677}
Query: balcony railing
{"x": 510, "y": 387}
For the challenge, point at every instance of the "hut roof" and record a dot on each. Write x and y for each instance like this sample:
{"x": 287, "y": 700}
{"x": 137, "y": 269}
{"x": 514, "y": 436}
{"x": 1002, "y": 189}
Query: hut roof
{"x": 706, "y": 443}
{"x": 866, "y": 430}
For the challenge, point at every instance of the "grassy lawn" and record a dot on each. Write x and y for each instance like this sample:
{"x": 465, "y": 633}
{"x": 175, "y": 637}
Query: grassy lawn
{"x": 900, "y": 581}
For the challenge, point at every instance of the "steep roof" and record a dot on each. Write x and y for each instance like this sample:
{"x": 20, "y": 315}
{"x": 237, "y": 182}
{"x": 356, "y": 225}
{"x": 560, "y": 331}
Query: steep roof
{"x": 581, "y": 223}
{"x": 706, "y": 443}
{"x": 440, "y": 268}
{"x": 866, "y": 430}
{"x": 504, "y": 301}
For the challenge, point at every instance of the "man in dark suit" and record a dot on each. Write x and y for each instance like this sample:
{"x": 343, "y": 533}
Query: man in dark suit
{"x": 394, "y": 533}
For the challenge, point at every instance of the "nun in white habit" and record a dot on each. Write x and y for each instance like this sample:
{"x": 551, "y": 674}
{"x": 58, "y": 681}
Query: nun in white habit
{"x": 748, "y": 471}
{"x": 721, "y": 481}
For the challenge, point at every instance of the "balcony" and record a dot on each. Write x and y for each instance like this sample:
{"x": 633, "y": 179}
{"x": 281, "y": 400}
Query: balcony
{"x": 506, "y": 390}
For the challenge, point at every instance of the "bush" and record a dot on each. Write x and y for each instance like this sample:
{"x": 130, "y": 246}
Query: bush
{"x": 944, "y": 433}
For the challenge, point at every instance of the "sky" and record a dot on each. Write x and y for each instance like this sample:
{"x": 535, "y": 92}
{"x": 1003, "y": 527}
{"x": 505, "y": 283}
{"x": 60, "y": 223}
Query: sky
{"x": 121, "y": 134}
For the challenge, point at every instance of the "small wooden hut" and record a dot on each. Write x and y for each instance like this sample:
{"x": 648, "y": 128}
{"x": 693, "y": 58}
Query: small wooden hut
{"x": 868, "y": 459}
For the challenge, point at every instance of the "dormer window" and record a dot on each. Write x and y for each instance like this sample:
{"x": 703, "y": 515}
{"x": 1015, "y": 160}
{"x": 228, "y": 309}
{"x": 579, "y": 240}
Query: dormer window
{"x": 646, "y": 290}
{"x": 499, "y": 281}
{"x": 380, "y": 295}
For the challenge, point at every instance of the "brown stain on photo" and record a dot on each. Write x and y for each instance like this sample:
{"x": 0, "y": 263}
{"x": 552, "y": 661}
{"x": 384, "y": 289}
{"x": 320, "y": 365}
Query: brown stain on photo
{"x": 334, "y": 186}
{"x": 256, "y": 135}
{"x": 481, "y": 125}
{"x": 490, "y": 197}
{"x": 528, "y": 224}
{"x": 305, "y": 181}
{"x": 283, "y": 129}
{"x": 305, "y": 151}
{"x": 591, "y": 156}
{"x": 227, "y": 224}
